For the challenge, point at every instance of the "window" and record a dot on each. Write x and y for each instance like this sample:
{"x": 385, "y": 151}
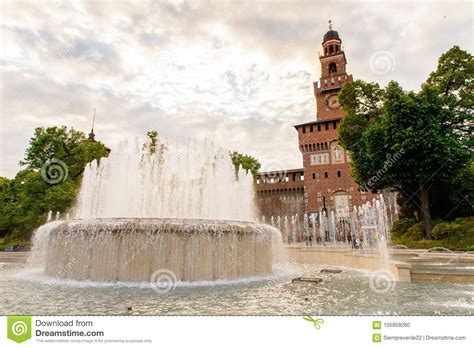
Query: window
{"x": 326, "y": 126}
{"x": 319, "y": 128}
{"x": 338, "y": 173}
{"x": 314, "y": 176}
{"x": 332, "y": 68}
{"x": 304, "y": 129}
{"x": 334, "y": 124}
{"x": 331, "y": 49}
{"x": 326, "y": 175}
{"x": 311, "y": 128}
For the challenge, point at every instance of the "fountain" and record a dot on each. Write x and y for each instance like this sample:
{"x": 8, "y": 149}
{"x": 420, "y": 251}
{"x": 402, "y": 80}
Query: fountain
{"x": 142, "y": 217}
{"x": 356, "y": 238}
{"x": 185, "y": 210}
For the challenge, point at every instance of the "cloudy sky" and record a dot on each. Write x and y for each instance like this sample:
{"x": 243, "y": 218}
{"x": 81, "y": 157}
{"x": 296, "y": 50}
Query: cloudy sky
{"x": 237, "y": 72}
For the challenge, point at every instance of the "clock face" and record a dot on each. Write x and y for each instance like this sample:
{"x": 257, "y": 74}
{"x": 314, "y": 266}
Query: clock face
{"x": 332, "y": 102}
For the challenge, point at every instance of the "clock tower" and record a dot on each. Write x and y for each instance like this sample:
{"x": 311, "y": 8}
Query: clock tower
{"x": 333, "y": 76}
{"x": 326, "y": 164}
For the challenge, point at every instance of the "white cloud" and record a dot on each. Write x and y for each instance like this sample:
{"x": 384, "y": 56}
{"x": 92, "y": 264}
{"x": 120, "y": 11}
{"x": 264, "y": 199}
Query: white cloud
{"x": 237, "y": 72}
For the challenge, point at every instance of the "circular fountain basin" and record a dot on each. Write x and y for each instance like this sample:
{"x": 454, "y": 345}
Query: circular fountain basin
{"x": 135, "y": 249}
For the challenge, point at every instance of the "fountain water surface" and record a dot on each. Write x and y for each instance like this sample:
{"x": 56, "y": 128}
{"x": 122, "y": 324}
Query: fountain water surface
{"x": 183, "y": 209}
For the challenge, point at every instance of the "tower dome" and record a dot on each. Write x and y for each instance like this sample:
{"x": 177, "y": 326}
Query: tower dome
{"x": 330, "y": 34}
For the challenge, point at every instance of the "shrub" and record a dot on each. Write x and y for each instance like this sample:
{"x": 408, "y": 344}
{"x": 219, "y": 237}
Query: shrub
{"x": 448, "y": 230}
{"x": 454, "y": 235}
{"x": 401, "y": 226}
{"x": 468, "y": 224}
{"x": 416, "y": 231}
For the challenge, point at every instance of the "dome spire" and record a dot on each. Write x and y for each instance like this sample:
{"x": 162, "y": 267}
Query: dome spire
{"x": 331, "y": 33}
{"x": 91, "y": 134}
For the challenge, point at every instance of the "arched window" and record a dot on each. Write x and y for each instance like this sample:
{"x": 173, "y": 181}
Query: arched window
{"x": 338, "y": 173}
{"x": 332, "y": 68}
{"x": 331, "y": 49}
{"x": 325, "y": 175}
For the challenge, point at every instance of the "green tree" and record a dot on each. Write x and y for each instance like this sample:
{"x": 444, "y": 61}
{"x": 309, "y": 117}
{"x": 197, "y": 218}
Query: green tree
{"x": 247, "y": 162}
{"x": 53, "y": 153}
{"x": 67, "y": 145}
{"x": 7, "y": 200}
{"x": 453, "y": 82}
{"x": 411, "y": 141}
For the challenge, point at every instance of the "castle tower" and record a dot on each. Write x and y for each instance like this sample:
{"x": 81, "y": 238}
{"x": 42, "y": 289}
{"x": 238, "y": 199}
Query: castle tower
{"x": 333, "y": 76}
{"x": 327, "y": 172}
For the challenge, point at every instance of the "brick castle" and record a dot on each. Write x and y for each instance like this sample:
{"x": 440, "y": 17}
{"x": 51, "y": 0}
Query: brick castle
{"x": 325, "y": 180}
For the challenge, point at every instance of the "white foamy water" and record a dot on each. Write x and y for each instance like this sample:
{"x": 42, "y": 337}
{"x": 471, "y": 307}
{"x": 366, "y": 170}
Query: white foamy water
{"x": 194, "y": 180}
